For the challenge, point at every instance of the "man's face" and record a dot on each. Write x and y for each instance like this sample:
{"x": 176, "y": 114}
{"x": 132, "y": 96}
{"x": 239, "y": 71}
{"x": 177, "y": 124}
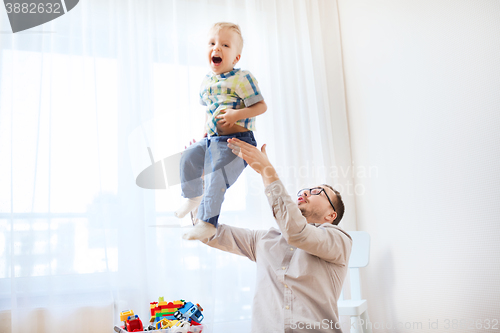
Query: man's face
{"x": 223, "y": 50}
{"x": 316, "y": 207}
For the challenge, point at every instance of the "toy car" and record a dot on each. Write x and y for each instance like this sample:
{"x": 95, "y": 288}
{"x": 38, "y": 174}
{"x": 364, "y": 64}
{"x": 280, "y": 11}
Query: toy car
{"x": 131, "y": 322}
{"x": 190, "y": 312}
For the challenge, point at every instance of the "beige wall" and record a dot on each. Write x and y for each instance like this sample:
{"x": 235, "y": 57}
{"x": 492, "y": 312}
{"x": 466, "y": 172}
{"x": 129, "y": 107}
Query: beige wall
{"x": 423, "y": 102}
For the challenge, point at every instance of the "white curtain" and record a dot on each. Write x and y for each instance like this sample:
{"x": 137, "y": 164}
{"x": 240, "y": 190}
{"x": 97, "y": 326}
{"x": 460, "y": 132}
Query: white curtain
{"x": 83, "y": 97}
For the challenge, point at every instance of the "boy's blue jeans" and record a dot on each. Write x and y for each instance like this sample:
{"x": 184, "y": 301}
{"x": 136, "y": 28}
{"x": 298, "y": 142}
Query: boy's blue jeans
{"x": 221, "y": 167}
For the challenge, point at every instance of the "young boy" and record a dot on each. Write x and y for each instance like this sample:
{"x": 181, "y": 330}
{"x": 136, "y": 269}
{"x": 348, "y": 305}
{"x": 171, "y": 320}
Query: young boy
{"x": 233, "y": 100}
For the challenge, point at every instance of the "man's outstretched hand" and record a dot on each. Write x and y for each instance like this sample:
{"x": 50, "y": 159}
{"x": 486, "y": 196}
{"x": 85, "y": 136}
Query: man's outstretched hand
{"x": 257, "y": 159}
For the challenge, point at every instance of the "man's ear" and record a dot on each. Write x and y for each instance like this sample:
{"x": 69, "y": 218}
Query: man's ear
{"x": 331, "y": 217}
{"x": 237, "y": 59}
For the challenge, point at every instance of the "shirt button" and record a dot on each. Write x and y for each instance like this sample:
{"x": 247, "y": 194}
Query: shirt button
{"x": 291, "y": 249}
{"x": 268, "y": 194}
{"x": 286, "y": 286}
{"x": 283, "y": 268}
{"x": 287, "y": 307}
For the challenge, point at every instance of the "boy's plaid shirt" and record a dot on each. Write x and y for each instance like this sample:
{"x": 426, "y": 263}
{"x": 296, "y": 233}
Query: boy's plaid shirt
{"x": 236, "y": 89}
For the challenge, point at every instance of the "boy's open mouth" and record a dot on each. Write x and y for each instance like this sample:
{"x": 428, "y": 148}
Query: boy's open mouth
{"x": 216, "y": 60}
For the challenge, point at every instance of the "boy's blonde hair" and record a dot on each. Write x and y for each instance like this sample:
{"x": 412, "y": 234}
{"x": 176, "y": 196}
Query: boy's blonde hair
{"x": 228, "y": 25}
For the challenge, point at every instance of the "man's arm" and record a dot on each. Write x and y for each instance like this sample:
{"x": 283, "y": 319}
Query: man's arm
{"x": 329, "y": 243}
{"x": 257, "y": 159}
{"x": 235, "y": 240}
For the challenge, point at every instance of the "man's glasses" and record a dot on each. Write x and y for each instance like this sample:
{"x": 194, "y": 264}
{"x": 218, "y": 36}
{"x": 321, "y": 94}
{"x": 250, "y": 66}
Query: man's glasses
{"x": 316, "y": 191}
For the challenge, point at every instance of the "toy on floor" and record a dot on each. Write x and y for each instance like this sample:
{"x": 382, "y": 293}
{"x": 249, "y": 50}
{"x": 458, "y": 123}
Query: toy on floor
{"x": 190, "y": 312}
{"x": 170, "y": 317}
{"x": 180, "y": 310}
{"x": 131, "y": 322}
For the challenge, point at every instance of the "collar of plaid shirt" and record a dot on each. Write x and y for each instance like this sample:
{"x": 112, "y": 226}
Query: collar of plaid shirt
{"x": 227, "y": 74}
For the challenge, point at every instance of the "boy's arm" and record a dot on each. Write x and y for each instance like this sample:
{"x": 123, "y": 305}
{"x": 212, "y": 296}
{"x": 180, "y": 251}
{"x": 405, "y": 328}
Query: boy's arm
{"x": 252, "y": 111}
{"x": 247, "y": 88}
{"x": 231, "y": 116}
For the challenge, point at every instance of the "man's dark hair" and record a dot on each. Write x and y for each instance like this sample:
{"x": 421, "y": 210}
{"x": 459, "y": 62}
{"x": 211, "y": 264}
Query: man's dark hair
{"x": 339, "y": 205}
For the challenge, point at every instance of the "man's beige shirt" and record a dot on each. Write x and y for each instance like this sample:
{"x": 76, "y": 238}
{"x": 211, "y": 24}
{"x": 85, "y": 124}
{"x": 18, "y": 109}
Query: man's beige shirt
{"x": 300, "y": 268}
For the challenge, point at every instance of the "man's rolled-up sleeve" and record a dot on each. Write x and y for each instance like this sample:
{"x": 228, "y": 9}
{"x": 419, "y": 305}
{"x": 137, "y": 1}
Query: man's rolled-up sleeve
{"x": 329, "y": 243}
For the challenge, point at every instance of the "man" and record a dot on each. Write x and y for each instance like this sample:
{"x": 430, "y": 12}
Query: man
{"x": 302, "y": 266}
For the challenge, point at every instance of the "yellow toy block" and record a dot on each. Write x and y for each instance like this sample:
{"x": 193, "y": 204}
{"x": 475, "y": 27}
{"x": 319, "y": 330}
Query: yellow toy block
{"x": 160, "y": 324}
{"x": 124, "y": 314}
{"x": 180, "y": 323}
{"x": 165, "y": 323}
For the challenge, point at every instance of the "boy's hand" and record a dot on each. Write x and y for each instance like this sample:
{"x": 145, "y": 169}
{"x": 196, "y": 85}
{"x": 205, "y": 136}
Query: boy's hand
{"x": 227, "y": 117}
